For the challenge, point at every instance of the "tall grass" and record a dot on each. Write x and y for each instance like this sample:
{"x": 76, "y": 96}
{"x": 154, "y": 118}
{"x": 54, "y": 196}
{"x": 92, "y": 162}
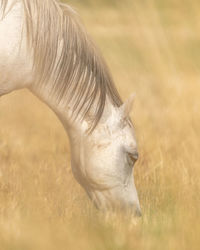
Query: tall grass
{"x": 153, "y": 49}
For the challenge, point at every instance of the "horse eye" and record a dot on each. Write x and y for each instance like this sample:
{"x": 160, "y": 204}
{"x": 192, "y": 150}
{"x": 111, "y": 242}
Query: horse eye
{"x": 132, "y": 157}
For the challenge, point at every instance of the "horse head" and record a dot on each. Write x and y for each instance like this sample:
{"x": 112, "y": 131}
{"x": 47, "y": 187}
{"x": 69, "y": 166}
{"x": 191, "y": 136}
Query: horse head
{"x": 103, "y": 161}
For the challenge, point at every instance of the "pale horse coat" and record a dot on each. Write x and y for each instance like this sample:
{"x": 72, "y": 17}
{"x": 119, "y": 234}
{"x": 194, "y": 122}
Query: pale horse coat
{"x": 43, "y": 47}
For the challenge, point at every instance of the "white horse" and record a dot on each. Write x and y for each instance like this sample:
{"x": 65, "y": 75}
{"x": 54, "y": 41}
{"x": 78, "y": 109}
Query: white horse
{"x": 43, "y": 47}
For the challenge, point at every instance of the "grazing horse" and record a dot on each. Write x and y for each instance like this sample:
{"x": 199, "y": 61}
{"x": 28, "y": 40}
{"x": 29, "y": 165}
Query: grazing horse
{"x": 44, "y": 48}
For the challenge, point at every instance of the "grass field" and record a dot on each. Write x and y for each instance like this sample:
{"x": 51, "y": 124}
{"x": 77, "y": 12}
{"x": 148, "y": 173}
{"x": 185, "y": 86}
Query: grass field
{"x": 153, "y": 49}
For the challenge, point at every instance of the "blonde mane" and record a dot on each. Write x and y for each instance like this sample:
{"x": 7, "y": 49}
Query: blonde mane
{"x": 65, "y": 60}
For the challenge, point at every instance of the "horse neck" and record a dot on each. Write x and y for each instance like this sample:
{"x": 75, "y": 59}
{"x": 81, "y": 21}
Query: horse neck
{"x": 73, "y": 127}
{"x": 59, "y": 109}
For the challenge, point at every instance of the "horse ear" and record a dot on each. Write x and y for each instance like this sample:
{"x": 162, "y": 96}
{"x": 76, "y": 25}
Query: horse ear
{"x": 127, "y": 106}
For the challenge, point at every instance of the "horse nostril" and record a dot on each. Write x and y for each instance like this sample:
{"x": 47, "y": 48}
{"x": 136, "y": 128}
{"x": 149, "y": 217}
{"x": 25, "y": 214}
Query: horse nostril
{"x": 138, "y": 212}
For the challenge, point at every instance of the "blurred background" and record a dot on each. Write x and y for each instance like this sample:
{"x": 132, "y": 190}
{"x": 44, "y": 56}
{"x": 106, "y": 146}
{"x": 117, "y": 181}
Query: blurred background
{"x": 153, "y": 49}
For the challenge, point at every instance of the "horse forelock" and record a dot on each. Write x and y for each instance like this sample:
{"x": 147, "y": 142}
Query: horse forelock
{"x": 65, "y": 60}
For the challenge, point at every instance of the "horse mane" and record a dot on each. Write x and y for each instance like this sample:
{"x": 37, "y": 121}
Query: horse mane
{"x": 65, "y": 60}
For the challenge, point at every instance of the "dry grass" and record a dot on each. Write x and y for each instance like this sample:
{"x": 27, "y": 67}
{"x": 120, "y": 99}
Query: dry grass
{"x": 153, "y": 49}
